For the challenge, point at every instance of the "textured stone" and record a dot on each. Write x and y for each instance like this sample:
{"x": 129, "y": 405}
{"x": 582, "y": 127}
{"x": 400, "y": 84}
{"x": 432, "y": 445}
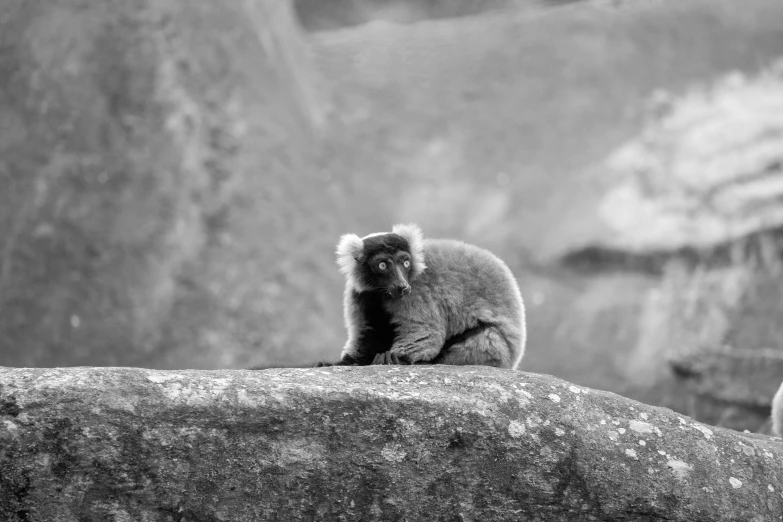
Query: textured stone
{"x": 747, "y": 377}
{"x": 125, "y": 129}
{"x": 371, "y": 443}
{"x": 320, "y": 15}
{"x": 706, "y": 173}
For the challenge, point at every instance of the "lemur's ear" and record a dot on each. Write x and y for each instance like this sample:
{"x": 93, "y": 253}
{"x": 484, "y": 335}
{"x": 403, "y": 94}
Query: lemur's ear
{"x": 412, "y": 233}
{"x": 350, "y": 250}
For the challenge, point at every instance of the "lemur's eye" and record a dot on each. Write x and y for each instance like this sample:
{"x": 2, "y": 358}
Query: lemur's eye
{"x": 406, "y": 263}
{"x": 382, "y": 265}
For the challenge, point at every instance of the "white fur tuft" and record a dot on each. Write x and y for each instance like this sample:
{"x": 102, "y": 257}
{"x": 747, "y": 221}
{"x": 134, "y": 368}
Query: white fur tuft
{"x": 412, "y": 233}
{"x": 349, "y": 251}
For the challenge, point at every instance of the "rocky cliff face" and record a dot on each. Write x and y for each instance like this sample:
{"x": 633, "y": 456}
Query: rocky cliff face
{"x": 125, "y": 129}
{"x": 706, "y": 173}
{"x": 371, "y": 443}
{"x": 698, "y": 195}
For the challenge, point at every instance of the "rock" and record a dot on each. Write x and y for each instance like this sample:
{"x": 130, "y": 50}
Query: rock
{"x": 747, "y": 377}
{"x": 480, "y": 119}
{"x": 718, "y": 328}
{"x": 370, "y": 443}
{"x": 730, "y": 387}
{"x": 706, "y": 173}
{"x": 324, "y": 15}
{"x": 125, "y": 130}
{"x": 702, "y": 186}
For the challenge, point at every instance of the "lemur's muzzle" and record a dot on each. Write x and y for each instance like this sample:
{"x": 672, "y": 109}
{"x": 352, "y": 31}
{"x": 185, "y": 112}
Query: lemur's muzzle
{"x": 401, "y": 286}
{"x": 402, "y": 289}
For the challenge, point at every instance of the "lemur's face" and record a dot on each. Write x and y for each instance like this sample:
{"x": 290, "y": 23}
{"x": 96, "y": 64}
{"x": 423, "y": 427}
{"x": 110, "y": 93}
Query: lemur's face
{"x": 386, "y": 265}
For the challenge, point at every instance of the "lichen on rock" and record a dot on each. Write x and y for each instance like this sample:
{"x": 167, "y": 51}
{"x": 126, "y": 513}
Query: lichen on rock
{"x": 364, "y": 443}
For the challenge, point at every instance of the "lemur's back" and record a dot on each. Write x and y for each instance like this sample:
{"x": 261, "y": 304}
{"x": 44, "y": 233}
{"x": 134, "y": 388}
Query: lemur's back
{"x": 479, "y": 300}
{"x": 475, "y": 270}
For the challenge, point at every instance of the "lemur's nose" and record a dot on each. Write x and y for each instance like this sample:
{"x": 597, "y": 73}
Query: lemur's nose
{"x": 404, "y": 289}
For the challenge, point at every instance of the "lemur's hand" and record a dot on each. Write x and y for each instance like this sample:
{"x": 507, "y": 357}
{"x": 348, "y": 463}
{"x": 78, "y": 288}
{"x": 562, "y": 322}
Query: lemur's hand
{"x": 389, "y": 358}
{"x": 338, "y": 363}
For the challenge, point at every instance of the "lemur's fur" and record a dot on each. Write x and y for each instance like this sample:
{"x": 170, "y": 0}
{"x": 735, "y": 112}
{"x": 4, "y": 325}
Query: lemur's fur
{"x": 777, "y": 412}
{"x": 410, "y": 300}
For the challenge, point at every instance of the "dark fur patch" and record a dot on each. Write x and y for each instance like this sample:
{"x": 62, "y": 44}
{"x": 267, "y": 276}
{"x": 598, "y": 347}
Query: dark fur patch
{"x": 386, "y": 243}
{"x": 378, "y": 334}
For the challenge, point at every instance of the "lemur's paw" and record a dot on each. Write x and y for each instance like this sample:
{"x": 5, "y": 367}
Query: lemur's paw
{"x": 389, "y": 358}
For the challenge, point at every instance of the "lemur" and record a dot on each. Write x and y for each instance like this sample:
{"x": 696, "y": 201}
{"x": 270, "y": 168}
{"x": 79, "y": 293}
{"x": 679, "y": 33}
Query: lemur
{"x": 777, "y": 412}
{"x": 410, "y": 300}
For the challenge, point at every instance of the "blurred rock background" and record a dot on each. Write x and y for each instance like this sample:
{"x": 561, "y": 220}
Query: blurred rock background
{"x": 174, "y": 176}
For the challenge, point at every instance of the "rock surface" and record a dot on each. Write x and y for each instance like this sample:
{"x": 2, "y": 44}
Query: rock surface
{"x": 320, "y": 15}
{"x": 373, "y": 443}
{"x": 125, "y": 130}
{"x": 707, "y": 171}
{"x": 746, "y": 377}
{"x": 702, "y": 186}
{"x": 718, "y": 327}
{"x": 730, "y": 387}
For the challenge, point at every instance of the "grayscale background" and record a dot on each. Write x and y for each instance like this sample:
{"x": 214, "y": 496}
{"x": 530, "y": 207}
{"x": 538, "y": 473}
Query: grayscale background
{"x": 175, "y": 175}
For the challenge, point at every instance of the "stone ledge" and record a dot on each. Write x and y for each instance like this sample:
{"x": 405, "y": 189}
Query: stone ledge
{"x": 370, "y": 443}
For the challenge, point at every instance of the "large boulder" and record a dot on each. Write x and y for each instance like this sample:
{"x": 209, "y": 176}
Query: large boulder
{"x": 369, "y": 443}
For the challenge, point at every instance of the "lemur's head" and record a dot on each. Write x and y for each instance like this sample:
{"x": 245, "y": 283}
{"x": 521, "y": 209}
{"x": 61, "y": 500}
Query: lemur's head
{"x": 386, "y": 261}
